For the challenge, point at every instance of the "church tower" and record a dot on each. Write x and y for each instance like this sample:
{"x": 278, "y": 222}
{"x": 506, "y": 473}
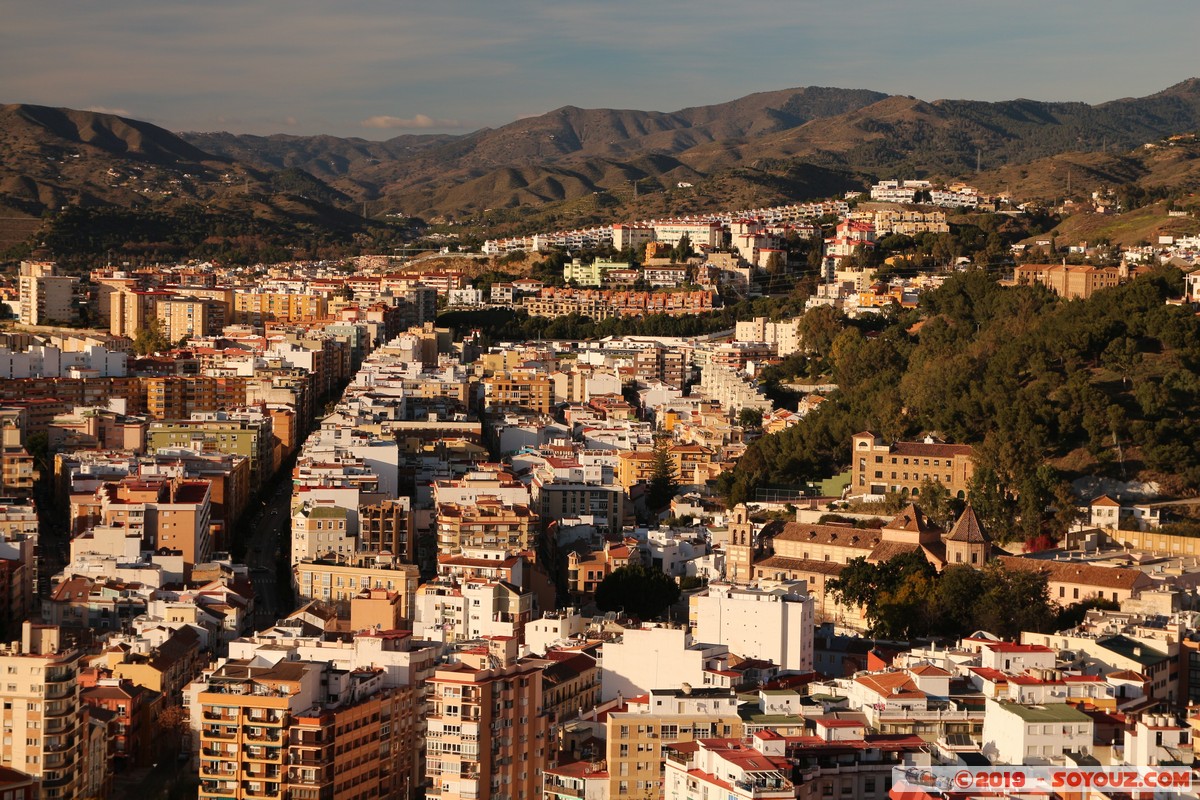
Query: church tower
{"x": 968, "y": 543}
{"x": 739, "y": 557}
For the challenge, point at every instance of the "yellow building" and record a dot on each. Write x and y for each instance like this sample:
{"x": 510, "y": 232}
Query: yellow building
{"x": 41, "y": 712}
{"x": 340, "y": 583}
{"x": 633, "y": 467}
{"x": 636, "y": 734}
{"x": 880, "y": 467}
{"x": 185, "y": 317}
{"x": 524, "y": 392}
{"x": 256, "y": 308}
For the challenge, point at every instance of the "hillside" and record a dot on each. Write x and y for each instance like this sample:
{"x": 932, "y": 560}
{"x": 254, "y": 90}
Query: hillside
{"x": 855, "y": 134}
{"x": 53, "y": 159}
{"x": 577, "y": 166}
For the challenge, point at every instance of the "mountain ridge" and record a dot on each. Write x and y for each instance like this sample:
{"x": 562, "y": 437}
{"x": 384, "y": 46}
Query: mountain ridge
{"x": 771, "y": 146}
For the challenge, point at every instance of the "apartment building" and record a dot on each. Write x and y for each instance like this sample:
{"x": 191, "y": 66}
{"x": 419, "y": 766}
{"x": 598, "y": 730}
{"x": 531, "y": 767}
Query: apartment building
{"x": 488, "y": 735}
{"x": 321, "y": 529}
{"x": 530, "y": 392}
{"x": 172, "y": 513}
{"x": 18, "y": 562}
{"x": 301, "y": 729}
{"x": 337, "y": 582}
{"x": 257, "y": 308}
{"x": 639, "y": 734}
{"x": 249, "y": 435}
{"x": 45, "y": 297}
{"x": 729, "y": 768}
{"x": 41, "y": 711}
{"x": 707, "y": 234}
{"x": 488, "y": 522}
{"x": 451, "y": 610}
{"x": 182, "y": 317}
{"x": 387, "y": 527}
{"x": 783, "y": 337}
{"x": 774, "y": 625}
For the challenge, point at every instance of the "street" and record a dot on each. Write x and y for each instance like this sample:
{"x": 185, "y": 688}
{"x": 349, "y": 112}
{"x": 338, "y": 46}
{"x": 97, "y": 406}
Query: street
{"x": 266, "y": 554}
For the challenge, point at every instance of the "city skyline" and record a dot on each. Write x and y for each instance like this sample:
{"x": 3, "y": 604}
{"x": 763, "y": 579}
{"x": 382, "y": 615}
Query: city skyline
{"x": 369, "y": 70}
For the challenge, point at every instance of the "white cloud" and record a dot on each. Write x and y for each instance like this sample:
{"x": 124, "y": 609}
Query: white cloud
{"x": 420, "y": 121}
{"x": 120, "y": 112}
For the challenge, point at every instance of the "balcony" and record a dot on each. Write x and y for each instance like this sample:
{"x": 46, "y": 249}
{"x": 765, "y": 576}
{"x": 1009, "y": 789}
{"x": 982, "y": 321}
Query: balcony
{"x": 58, "y": 710}
{"x": 265, "y": 735}
{"x": 272, "y": 755}
{"x": 59, "y": 725}
{"x": 267, "y": 790}
{"x": 216, "y": 769}
{"x": 307, "y": 739}
{"x": 57, "y": 691}
{"x": 58, "y": 746}
{"x": 563, "y": 791}
{"x": 225, "y": 734}
{"x": 306, "y": 760}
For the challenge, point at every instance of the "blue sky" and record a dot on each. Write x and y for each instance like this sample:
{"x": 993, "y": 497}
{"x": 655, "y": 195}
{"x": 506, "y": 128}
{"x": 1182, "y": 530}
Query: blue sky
{"x": 376, "y": 69}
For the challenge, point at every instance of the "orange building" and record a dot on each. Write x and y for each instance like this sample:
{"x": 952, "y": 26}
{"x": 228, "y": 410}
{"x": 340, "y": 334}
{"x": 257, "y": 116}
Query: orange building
{"x": 488, "y": 735}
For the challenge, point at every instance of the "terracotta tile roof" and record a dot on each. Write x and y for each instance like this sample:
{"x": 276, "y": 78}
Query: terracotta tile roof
{"x": 1084, "y": 574}
{"x": 841, "y": 535}
{"x": 889, "y": 550}
{"x": 930, "y": 670}
{"x": 913, "y": 520}
{"x": 968, "y": 529}
{"x": 890, "y": 684}
{"x": 802, "y": 565}
{"x": 932, "y": 450}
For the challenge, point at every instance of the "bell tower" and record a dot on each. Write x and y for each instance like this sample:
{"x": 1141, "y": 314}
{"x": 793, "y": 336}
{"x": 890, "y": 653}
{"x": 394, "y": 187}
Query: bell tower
{"x": 739, "y": 558}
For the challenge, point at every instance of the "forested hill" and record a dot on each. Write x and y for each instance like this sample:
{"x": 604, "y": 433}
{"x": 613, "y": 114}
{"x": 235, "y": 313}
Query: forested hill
{"x": 1047, "y": 390}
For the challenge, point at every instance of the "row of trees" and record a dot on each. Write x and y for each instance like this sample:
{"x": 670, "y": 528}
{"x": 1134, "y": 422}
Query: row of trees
{"x": 906, "y": 598}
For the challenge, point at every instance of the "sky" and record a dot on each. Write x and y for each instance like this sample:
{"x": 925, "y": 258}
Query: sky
{"x": 380, "y": 68}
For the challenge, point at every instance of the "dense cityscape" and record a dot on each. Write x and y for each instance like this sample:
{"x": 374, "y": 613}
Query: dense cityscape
{"x": 317, "y": 529}
{"x": 599, "y": 401}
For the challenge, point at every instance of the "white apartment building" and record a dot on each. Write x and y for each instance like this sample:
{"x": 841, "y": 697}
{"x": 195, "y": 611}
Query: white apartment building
{"x": 445, "y": 611}
{"x": 45, "y": 298}
{"x": 322, "y": 529}
{"x": 785, "y": 336}
{"x": 1034, "y": 734}
{"x": 700, "y": 233}
{"x": 727, "y": 769}
{"x": 775, "y": 625}
{"x": 655, "y": 657}
{"x": 733, "y": 391}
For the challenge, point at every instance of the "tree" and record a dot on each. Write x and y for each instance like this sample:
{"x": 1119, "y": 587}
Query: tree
{"x": 881, "y": 590}
{"x": 150, "y": 339}
{"x": 663, "y": 482}
{"x": 750, "y": 418}
{"x": 937, "y": 502}
{"x": 172, "y": 724}
{"x": 644, "y": 593}
{"x": 819, "y": 327}
{"x": 1012, "y": 601}
{"x": 682, "y": 251}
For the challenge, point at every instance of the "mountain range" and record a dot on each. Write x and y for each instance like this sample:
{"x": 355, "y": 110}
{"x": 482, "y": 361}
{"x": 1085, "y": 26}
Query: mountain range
{"x": 577, "y": 164}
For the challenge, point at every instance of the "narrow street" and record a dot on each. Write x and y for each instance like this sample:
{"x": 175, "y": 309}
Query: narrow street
{"x": 266, "y": 553}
